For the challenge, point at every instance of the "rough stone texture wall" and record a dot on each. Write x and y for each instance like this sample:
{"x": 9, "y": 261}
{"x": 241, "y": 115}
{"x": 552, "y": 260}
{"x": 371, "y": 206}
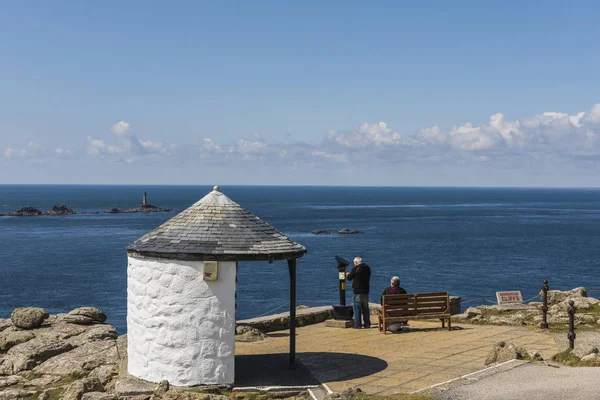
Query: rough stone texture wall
{"x": 180, "y": 327}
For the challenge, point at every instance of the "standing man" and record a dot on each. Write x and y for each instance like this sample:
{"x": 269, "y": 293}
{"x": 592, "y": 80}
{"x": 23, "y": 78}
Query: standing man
{"x": 361, "y": 275}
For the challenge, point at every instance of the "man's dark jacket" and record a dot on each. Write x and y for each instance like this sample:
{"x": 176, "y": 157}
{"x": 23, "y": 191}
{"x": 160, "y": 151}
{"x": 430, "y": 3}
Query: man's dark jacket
{"x": 361, "y": 276}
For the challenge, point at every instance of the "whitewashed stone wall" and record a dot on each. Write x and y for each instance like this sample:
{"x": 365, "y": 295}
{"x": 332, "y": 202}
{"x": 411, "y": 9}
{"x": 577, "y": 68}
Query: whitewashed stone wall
{"x": 180, "y": 327}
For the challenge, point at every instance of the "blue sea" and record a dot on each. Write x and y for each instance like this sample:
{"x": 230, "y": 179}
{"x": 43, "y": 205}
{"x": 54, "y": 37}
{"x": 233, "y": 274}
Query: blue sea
{"x": 471, "y": 242}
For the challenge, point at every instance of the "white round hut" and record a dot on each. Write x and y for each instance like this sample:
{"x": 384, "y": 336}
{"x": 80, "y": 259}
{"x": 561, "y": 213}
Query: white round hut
{"x": 181, "y": 282}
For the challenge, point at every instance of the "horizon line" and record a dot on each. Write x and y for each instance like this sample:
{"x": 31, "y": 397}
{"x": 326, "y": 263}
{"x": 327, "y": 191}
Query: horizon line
{"x": 307, "y": 185}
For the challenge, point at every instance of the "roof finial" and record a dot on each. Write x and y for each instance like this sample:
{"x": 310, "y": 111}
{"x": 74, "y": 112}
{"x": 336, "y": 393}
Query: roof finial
{"x": 216, "y": 189}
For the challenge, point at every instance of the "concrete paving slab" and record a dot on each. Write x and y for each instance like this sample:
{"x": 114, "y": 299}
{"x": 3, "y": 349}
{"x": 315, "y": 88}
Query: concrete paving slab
{"x": 336, "y": 323}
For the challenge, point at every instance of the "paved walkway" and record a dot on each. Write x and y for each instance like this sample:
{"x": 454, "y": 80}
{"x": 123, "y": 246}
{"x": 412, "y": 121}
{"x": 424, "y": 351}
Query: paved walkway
{"x": 402, "y": 362}
{"x": 525, "y": 381}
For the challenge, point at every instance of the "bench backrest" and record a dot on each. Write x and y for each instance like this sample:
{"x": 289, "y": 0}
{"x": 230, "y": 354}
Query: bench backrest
{"x": 399, "y": 305}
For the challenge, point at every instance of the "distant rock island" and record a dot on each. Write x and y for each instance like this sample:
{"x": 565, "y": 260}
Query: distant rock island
{"x": 145, "y": 208}
{"x": 62, "y": 209}
{"x": 25, "y": 212}
{"x": 344, "y": 231}
{"x": 347, "y": 231}
{"x": 32, "y": 211}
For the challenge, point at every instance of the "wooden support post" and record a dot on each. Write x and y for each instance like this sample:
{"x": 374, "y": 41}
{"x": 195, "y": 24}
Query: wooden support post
{"x": 545, "y": 288}
{"x": 571, "y": 336}
{"x": 292, "y": 269}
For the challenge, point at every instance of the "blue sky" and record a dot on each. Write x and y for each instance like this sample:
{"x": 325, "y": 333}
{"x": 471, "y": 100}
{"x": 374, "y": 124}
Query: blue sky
{"x": 354, "y": 93}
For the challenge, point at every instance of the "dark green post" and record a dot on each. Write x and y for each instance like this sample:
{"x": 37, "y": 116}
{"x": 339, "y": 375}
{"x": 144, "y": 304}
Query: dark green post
{"x": 292, "y": 269}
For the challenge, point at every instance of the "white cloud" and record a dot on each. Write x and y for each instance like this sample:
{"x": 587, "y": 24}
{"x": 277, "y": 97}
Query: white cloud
{"x": 34, "y": 152}
{"x": 571, "y": 139}
{"x": 98, "y": 147}
{"x": 251, "y": 147}
{"x": 593, "y": 115}
{"x": 545, "y": 136}
{"x": 470, "y": 137}
{"x": 129, "y": 148}
{"x": 339, "y": 158}
{"x": 510, "y": 131}
{"x": 208, "y": 144}
{"x": 63, "y": 153}
{"x": 121, "y": 128}
{"x": 433, "y": 136}
{"x": 9, "y": 153}
{"x": 158, "y": 147}
{"x": 367, "y": 135}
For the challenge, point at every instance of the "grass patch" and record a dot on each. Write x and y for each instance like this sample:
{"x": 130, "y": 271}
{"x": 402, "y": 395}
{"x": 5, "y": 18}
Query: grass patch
{"x": 253, "y": 396}
{"x": 276, "y": 395}
{"x": 595, "y": 309}
{"x": 55, "y": 394}
{"x": 399, "y": 396}
{"x": 203, "y": 391}
{"x": 492, "y": 312}
{"x": 569, "y": 359}
{"x": 234, "y": 395}
{"x": 240, "y": 395}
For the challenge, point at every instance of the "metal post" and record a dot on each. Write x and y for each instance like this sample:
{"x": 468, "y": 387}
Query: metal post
{"x": 545, "y": 287}
{"x": 571, "y": 310}
{"x": 342, "y": 278}
{"x": 292, "y": 269}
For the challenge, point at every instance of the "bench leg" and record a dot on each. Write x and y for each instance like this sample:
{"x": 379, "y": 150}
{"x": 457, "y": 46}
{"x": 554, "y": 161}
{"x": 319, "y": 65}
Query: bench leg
{"x": 443, "y": 326}
{"x": 449, "y": 324}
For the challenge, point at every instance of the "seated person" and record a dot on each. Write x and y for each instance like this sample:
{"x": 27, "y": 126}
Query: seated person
{"x": 394, "y": 289}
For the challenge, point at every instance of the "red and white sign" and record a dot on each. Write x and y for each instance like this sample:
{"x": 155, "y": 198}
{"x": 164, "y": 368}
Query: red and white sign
{"x": 509, "y": 297}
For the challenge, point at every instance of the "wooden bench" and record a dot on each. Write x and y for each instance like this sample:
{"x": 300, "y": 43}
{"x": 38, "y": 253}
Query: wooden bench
{"x": 402, "y": 307}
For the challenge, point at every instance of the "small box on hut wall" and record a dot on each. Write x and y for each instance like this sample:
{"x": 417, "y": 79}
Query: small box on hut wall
{"x": 210, "y": 270}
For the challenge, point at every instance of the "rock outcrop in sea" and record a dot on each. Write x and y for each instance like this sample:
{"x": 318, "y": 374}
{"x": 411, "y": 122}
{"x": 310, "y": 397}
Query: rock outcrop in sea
{"x": 344, "y": 231}
{"x": 62, "y": 209}
{"x": 29, "y": 211}
{"x": 347, "y": 231}
{"x": 145, "y": 208}
{"x": 25, "y": 212}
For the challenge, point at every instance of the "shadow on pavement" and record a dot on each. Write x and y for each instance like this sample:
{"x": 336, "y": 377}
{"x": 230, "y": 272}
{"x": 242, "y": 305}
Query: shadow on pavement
{"x": 333, "y": 367}
{"x": 272, "y": 369}
{"x": 276, "y": 334}
{"x": 412, "y": 329}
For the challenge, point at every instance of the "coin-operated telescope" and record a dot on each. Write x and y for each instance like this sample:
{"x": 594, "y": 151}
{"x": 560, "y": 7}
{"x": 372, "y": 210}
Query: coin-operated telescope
{"x": 342, "y": 311}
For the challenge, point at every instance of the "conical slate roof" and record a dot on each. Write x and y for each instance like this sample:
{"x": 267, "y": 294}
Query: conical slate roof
{"x": 216, "y": 228}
